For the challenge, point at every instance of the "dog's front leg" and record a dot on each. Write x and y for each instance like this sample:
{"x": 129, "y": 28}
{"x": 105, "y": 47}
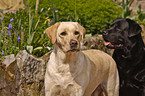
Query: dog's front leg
{"x": 49, "y": 83}
{"x": 74, "y": 90}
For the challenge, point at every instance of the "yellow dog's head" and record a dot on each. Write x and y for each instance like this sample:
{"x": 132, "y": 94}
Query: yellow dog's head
{"x": 67, "y": 35}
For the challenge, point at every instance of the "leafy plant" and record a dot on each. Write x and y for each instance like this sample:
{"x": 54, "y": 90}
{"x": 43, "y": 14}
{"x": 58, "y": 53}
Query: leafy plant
{"x": 22, "y": 33}
{"x": 93, "y": 15}
{"x": 126, "y": 4}
{"x": 128, "y": 12}
{"x": 26, "y": 31}
{"x": 9, "y": 40}
{"x": 139, "y": 16}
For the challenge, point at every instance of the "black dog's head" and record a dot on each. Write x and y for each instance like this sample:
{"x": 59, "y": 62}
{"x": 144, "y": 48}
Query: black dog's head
{"x": 120, "y": 33}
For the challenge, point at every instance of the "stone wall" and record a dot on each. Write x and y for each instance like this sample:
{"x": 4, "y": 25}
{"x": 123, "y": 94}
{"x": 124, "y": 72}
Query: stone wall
{"x": 22, "y": 75}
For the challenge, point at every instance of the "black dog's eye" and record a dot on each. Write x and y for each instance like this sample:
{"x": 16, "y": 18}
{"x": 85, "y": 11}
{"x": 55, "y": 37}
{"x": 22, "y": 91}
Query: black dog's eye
{"x": 76, "y": 33}
{"x": 63, "y": 33}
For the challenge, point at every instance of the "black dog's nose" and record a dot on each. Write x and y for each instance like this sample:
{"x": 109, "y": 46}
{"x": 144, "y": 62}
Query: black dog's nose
{"x": 73, "y": 43}
{"x": 105, "y": 32}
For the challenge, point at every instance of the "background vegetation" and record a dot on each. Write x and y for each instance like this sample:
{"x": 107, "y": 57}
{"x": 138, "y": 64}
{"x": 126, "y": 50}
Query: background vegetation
{"x": 93, "y": 15}
{"x": 24, "y": 29}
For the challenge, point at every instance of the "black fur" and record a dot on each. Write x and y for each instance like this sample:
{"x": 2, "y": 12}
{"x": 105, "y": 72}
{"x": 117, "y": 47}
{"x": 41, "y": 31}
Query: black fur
{"x": 124, "y": 36}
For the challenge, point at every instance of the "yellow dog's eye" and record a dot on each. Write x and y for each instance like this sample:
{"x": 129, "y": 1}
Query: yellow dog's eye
{"x": 77, "y": 33}
{"x": 63, "y": 33}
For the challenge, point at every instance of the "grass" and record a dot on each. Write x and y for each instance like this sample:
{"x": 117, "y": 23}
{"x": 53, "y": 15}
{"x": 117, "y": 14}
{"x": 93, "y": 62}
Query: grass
{"x": 21, "y": 33}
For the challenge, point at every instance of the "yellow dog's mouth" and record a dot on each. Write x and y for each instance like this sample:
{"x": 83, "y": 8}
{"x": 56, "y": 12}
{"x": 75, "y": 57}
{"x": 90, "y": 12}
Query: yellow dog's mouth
{"x": 73, "y": 50}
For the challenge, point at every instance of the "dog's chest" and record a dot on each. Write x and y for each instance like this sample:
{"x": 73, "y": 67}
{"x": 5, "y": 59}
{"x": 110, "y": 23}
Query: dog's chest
{"x": 62, "y": 73}
{"x": 67, "y": 73}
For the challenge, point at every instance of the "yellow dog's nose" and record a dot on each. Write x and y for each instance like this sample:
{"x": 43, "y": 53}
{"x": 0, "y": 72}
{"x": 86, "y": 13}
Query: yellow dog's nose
{"x": 73, "y": 43}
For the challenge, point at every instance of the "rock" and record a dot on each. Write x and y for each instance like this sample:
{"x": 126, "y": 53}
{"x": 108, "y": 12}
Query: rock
{"x": 32, "y": 68}
{"x": 32, "y": 74}
{"x": 46, "y": 57}
{"x": 9, "y": 76}
{"x": 8, "y": 59}
{"x": 22, "y": 75}
{"x": 96, "y": 42}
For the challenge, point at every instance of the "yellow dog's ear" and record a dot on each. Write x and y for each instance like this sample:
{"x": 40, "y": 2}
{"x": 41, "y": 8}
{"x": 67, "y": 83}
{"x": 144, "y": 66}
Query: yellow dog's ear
{"x": 51, "y": 32}
{"x": 82, "y": 29}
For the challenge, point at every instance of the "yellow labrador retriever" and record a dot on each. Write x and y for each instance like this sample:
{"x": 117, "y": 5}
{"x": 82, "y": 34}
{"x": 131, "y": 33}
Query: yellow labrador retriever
{"x": 71, "y": 72}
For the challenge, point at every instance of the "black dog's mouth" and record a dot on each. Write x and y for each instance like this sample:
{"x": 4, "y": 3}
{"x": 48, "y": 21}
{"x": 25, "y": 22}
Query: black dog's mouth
{"x": 113, "y": 45}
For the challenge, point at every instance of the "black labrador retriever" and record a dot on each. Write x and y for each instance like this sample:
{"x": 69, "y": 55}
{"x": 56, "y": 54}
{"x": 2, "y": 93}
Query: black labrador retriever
{"x": 125, "y": 37}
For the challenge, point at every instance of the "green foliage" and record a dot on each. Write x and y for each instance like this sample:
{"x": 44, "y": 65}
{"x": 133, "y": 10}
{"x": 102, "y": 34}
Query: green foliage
{"x": 128, "y": 12}
{"x": 94, "y": 15}
{"x": 126, "y": 4}
{"x": 139, "y": 16}
{"x": 27, "y": 33}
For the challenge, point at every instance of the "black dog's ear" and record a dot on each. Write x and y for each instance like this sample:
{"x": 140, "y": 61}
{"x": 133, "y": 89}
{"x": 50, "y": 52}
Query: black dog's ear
{"x": 117, "y": 21}
{"x": 134, "y": 28}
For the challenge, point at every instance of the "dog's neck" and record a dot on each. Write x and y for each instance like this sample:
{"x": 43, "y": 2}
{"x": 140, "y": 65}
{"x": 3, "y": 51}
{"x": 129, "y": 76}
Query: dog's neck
{"x": 67, "y": 61}
{"x": 130, "y": 53}
{"x": 65, "y": 57}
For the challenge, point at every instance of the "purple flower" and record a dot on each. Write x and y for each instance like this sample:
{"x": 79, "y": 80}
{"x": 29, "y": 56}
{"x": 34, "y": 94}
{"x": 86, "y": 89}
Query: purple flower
{"x": 19, "y": 39}
{"x": 10, "y": 27}
{"x": 2, "y": 33}
{"x": 3, "y": 53}
{"x": 2, "y": 19}
{"x": 21, "y": 28}
{"x": 15, "y": 30}
{"x": 9, "y": 33}
{"x": 11, "y": 20}
{"x": 51, "y": 21}
{"x": 14, "y": 11}
{"x": 5, "y": 11}
{"x": 56, "y": 11}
